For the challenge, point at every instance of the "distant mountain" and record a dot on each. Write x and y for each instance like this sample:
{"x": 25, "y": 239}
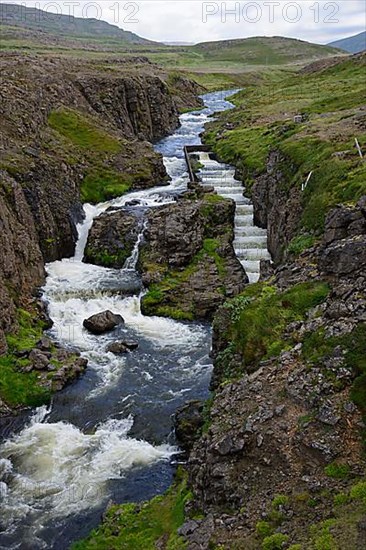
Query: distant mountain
{"x": 264, "y": 50}
{"x": 352, "y": 44}
{"x": 14, "y": 15}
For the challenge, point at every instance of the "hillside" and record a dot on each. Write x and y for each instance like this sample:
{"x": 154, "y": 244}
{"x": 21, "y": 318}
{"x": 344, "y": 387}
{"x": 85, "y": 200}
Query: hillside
{"x": 351, "y": 44}
{"x": 88, "y": 37}
{"x": 263, "y": 50}
{"x": 24, "y": 18}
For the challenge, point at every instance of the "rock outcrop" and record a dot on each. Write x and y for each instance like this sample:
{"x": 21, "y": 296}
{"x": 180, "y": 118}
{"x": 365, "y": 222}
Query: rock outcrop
{"x": 119, "y": 348}
{"x": 137, "y": 106}
{"x": 188, "y": 421}
{"x": 112, "y": 238}
{"x": 56, "y": 367}
{"x": 343, "y": 251}
{"x": 21, "y": 262}
{"x": 275, "y": 208}
{"x": 187, "y": 260}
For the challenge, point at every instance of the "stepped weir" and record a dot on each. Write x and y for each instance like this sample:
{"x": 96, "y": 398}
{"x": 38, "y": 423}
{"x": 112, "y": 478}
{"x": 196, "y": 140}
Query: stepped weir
{"x": 250, "y": 242}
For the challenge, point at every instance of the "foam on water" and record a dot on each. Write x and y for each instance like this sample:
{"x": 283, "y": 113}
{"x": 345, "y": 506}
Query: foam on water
{"x": 64, "y": 470}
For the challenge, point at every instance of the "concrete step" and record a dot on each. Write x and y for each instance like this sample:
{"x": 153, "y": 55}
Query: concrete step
{"x": 250, "y": 266}
{"x": 251, "y": 241}
{"x": 243, "y": 220}
{"x": 251, "y": 253}
{"x": 253, "y": 277}
{"x": 249, "y": 231}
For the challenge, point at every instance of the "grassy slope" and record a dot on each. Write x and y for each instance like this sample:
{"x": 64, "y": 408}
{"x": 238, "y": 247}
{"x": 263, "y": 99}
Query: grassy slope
{"x": 18, "y": 388}
{"x": 102, "y": 180}
{"x": 143, "y": 526}
{"x": 258, "y": 318}
{"x": 333, "y": 99}
{"x": 262, "y": 51}
{"x": 215, "y": 65}
{"x": 23, "y": 18}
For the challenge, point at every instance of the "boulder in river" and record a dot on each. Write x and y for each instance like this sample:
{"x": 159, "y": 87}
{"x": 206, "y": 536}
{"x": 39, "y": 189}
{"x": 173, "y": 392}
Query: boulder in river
{"x": 122, "y": 347}
{"x": 102, "y": 322}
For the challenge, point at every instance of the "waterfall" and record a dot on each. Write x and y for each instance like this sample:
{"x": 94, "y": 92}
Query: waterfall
{"x": 131, "y": 262}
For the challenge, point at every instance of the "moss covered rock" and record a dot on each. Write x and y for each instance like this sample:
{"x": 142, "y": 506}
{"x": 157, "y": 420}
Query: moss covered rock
{"x": 187, "y": 260}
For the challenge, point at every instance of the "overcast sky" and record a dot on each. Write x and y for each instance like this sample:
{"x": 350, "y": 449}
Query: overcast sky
{"x": 319, "y": 21}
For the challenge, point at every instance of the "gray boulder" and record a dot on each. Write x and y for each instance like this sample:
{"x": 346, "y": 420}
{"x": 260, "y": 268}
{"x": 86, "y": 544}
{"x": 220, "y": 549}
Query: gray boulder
{"x": 102, "y": 322}
{"x": 122, "y": 347}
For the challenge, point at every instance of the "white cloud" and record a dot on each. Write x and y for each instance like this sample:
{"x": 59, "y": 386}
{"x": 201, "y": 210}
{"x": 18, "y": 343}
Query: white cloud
{"x": 197, "y": 21}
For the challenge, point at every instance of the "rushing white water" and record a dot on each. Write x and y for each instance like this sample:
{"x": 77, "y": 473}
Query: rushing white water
{"x": 250, "y": 243}
{"x": 69, "y": 469}
{"x": 66, "y": 460}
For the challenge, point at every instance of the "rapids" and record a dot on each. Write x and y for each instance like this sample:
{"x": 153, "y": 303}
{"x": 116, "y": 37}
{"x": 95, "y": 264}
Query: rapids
{"x": 108, "y": 436}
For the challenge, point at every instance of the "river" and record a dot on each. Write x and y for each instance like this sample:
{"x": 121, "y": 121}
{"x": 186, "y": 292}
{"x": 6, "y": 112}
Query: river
{"x": 108, "y": 436}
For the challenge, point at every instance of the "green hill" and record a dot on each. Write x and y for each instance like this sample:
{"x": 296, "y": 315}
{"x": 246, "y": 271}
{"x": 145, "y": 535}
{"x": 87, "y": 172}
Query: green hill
{"x": 351, "y": 44}
{"x": 263, "y": 50}
{"x": 24, "y": 18}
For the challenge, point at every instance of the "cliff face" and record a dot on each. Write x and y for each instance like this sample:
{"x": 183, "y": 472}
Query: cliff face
{"x": 21, "y": 266}
{"x": 72, "y": 131}
{"x": 135, "y": 106}
{"x": 276, "y": 208}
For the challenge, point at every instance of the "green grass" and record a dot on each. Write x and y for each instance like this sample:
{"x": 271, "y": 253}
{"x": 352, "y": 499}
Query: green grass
{"x": 18, "y": 388}
{"x": 21, "y": 388}
{"x": 102, "y": 184}
{"x": 256, "y": 331}
{"x": 263, "y": 122}
{"x": 142, "y": 526}
{"x": 263, "y": 529}
{"x": 358, "y": 492}
{"x": 100, "y": 152}
{"x": 107, "y": 258}
{"x": 300, "y": 244}
{"x": 274, "y": 542}
{"x": 279, "y": 500}
{"x": 82, "y": 132}
{"x": 337, "y": 470}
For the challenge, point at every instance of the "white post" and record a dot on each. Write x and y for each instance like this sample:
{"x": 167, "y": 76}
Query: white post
{"x": 304, "y": 185}
{"x": 358, "y": 148}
